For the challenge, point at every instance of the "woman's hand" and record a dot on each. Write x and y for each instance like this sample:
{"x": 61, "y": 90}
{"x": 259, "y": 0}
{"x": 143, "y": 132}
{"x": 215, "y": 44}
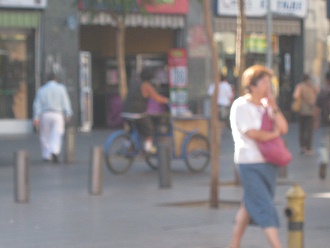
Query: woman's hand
{"x": 271, "y": 101}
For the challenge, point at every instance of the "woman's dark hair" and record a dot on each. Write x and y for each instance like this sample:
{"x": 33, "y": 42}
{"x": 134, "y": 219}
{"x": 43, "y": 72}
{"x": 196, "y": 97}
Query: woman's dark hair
{"x": 253, "y": 74}
{"x": 306, "y": 77}
{"x": 147, "y": 74}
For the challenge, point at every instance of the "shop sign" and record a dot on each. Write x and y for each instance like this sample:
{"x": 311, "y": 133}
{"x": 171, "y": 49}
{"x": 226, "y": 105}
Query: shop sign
{"x": 177, "y": 61}
{"x": 159, "y": 6}
{"x": 169, "y": 7}
{"x": 257, "y": 43}
{"x": 179, "y": 96}
{"x": 33, "y": 4}
{"x": 198, "y": 42}
{"x": 258, "y": 8}
{"x": 178, "y": 80}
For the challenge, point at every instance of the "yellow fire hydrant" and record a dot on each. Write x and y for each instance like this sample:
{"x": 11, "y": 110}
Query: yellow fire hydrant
{"x": 295, "y": 212}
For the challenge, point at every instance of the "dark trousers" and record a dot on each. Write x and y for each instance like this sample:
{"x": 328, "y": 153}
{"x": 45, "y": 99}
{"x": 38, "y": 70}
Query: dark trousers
{"x": 145, "y": 126}
{"x": 306, "y": 131}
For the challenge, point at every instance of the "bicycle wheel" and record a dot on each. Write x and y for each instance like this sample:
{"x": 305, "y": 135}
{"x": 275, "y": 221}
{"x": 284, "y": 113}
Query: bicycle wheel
{"x": 196, "y": 152}
{"x": 119, "y": 153}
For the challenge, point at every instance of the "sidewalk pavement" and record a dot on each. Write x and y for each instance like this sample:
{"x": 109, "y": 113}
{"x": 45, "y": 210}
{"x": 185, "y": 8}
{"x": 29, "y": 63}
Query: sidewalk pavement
{"x": 134, "y": 212}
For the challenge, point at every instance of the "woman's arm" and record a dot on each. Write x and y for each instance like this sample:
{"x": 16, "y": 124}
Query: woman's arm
{"x": 262, "y": 135}
{"x": 149, "y": 92}
{"x": 297, "y": 91}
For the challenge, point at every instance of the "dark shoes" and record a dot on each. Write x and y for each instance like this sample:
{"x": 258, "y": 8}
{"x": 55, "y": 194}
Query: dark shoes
{"x": 305, "y": 151}
{"x": 55, "y": 158}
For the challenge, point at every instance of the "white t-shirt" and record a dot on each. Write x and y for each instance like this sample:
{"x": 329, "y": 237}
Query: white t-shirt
{"x": 245, "y": 116}
{"x": 225, "y": 93}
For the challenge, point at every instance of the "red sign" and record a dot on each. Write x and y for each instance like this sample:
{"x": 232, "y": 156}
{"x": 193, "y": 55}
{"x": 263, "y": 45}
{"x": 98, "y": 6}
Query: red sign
{"x": 177, "y": 57}
{"x": 169, "y": 7}
{"x": 158, "y": 6}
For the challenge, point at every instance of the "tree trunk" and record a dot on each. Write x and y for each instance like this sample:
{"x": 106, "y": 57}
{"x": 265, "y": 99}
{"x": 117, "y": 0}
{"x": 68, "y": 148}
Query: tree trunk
{"x": 240, "y": 41}
{"x": 215, "y": 132}
{"x": 240, "y": 57}
{"x": 121, "y": 29}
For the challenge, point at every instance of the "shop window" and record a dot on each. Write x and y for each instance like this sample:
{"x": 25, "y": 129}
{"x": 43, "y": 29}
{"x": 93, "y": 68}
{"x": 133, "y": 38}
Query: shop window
{"x": 14, "y": 50}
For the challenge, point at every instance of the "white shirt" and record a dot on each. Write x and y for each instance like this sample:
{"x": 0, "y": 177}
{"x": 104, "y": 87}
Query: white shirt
{"x": 52, "y": 96}
{"x": 245, "y": 116}
{"x": 225, "y": 93}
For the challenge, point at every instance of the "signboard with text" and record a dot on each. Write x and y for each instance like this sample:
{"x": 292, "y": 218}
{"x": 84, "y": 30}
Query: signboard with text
{"x": 169, "y": 7}
{"x": 258, "y": 8}
{"x": 159, "y": 7}
{"x": 178, "y": 80}
{"x": 32, "y": 4}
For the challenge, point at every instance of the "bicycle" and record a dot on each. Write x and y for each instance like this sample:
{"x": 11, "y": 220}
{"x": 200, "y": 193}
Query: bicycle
{"x": 194, "y": 149}
{"x": 121, "y": 148}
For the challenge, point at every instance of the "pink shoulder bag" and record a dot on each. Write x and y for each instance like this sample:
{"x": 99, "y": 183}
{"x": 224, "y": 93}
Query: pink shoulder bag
{"x": 274, "y": 150}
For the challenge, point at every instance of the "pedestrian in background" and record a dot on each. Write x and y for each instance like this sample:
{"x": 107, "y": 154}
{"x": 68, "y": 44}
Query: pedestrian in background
{"x": 307, "y": 91}
{"x": 323, "y": 105}
{"x": 51, "y": 108}
{"x": 258, "y": 177}
{"x": 225, "y": 98}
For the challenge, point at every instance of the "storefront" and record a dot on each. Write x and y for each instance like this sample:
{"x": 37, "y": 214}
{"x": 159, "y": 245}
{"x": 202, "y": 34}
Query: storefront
{"x": 19, "y": 62}
{"x": 287, "y": 40}
{"x": 149, "y": 37}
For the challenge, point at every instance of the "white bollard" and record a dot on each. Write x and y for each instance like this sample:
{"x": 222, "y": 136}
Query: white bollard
{"x": 21, "y": 179}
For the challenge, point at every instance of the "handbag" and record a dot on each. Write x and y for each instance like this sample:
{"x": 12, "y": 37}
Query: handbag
{"x": 296, "y": 105}
{"x": 274, "y": 151}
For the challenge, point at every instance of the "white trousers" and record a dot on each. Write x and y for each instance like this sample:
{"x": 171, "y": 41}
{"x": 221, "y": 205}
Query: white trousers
{"x": 51, "y": 133}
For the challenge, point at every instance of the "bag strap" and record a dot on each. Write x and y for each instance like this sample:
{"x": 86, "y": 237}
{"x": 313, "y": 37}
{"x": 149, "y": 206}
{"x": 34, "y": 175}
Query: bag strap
{"x": 267, "y": 123}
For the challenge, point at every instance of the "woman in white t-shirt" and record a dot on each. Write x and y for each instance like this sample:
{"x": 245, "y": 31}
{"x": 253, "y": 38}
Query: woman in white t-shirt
{"x": 258, "y": 177}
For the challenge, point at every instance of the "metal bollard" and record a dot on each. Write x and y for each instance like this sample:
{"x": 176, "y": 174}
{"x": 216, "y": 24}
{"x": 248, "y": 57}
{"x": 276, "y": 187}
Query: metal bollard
{"x": 21, "y": 177}
{"x": 95, "y": 172}
{"x": 164, "y": 165}
{"x": 296, "y": 215}
{"x": 70, "y": 145}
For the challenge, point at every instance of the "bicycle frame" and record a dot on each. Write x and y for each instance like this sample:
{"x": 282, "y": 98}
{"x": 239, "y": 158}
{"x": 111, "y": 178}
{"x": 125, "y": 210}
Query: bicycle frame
{"x": 133, "y": 134}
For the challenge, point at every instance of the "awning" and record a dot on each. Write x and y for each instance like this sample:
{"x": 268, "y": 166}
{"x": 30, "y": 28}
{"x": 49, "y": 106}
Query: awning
{"x": 135, "y": 20}
{"x": 19, "y": 19}
{"x": 280, "y": 27}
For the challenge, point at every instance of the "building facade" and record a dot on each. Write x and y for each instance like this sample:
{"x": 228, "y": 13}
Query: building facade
{"x": 40, "y": 36}
{"x": 149, "y": 38}
{"x": 287, "y": 51}
{"x": 20, "y": 39}
{"x": 35, "y": 39}
{"x": 317, "y": 40}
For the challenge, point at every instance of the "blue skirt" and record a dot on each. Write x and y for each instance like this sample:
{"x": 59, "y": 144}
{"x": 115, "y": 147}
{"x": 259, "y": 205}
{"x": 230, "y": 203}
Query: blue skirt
{"x": 259, "y": 182}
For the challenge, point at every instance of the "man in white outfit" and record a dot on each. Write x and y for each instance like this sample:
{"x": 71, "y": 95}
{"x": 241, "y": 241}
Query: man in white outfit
{"x": 51, "y": 108}
{"x": 225, "y": 98}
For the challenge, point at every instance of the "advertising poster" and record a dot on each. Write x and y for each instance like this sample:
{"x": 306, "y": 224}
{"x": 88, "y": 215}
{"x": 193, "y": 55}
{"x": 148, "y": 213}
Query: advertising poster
{"x": 178, "y": 81}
